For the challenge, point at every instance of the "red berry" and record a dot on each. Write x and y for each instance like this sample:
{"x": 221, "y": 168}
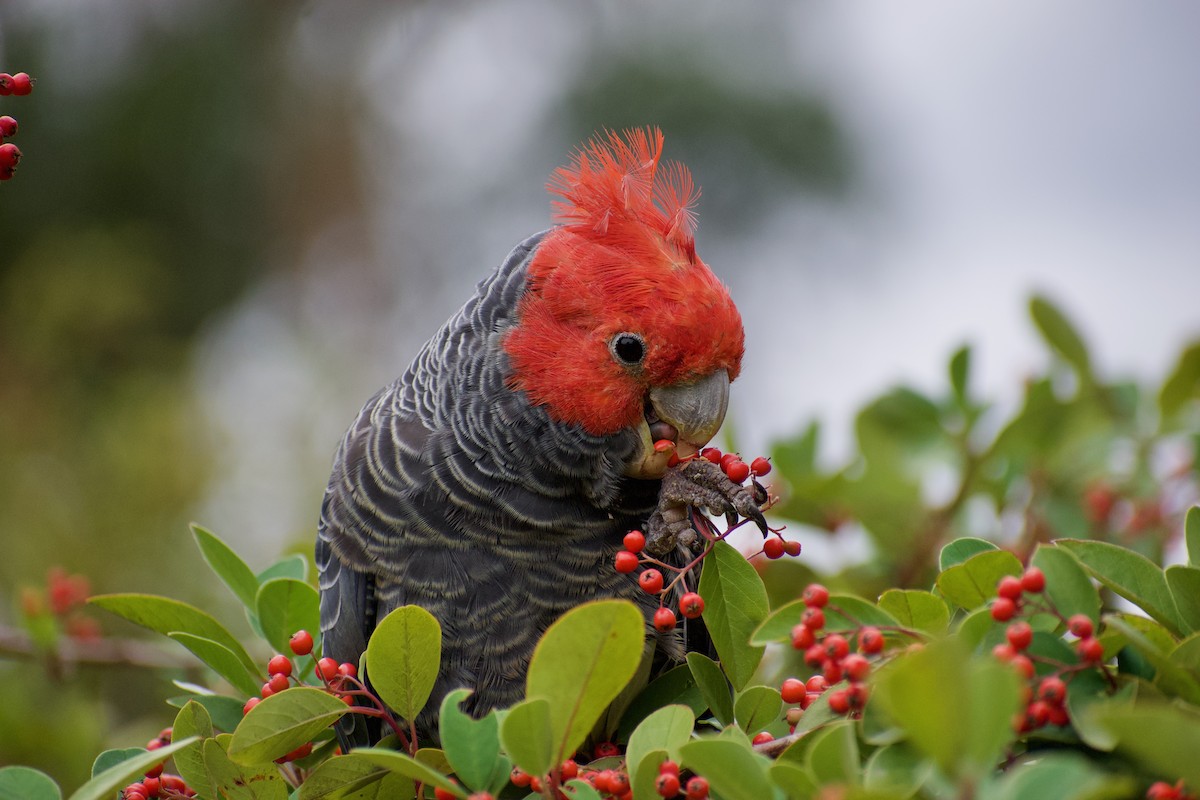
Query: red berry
{"x": 856, "y": 667}
{"x": 815, "y": 595}
{"x": 173, "y": 783}
{"x": 762, "y": 738}
{"x": 1020, "y": 635}
{"x": 651, "y": 581}
{"x": 155, "y": 744}
{"x": 728, "y": 459}
{"x": 1003, "y": 609}
{"x": 6, "y": 83}
{"x": 1090, "y": 650}
{"x": 870, "y": 640}
{"x": 568, "y": 770}
{"x": 813, "y": 617}
{"x": 279, "y": 665}
{"x": 1161, "y": 790}
{"x": 664, "y": 446}
{"x": 443, "y": 794}
{"x": 251, "y": 703}
{"x": 737, "y": 470}
{"x": 1080, "y": 625}
{"x": 711, "y": 454}
{"x": 793, "y": 691}
{"x": 691, "y": 605}
{"x": 535, "y": 783}
{"x": 266, "y": 690}
{"x": 839, "y": 701}
{"x": 625, "y": 562}
{"x": 836, "y": 647}
{"x": 327, "y": 669}
{"x": 814, "y": 656}
{"x": 1059, "y": 715}
{"x": 1033, "y": 580}
{"x": 605, "y": 750}
{"x": 8, "y": 127}
{"x": 151, "y": 782}
{"x": 1024, "y": 666}
{"x": 760, "y": 466}
{"x": 697, "y": 788}
{"x": 791, "y": 547}
{"x": 664, "y": 620}
{"x": 773, "y": 547}
{"x": 6, "y": 174}
{"x": 856, "y": 695}
{"x": 22, "y": 84}
{"x": 802, "y": 637}
{"x": 347, "y": 670}
{"x": 519, "y": 777}
{"x": 278, "y": 683}
{"x": 666, "y": 784}
{"x": 133, "y": 794}
{"x": 832, "y": 670}
{"x": 809, "y": 699}
{"x": 817, "y": 684}
{"x": 10, "y": 155}
{"x": 668, "y": 767}
{"x": 1004, "y": 652}
{"x": 1010, "y": 587}
{"x": 634, "y": 541}
{"x": 619, "y": 782}
{"x": 1039, "y": 713}
{"x": 301, "y": 643}
{"x": 480, "y": 796}
{"x": 1053, "y": 690}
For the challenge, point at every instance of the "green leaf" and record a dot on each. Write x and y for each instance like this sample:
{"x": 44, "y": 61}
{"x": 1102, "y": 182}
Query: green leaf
{"x": 644, "y": 772}
{"x": 1184, "y": 583}
{"x": 1163, "y": 738}
{"x": 849, "y": 611}
{"x": 1182, "y": 385}
{"x": 166, "y": 616}
{"x": 580, "y": 790}
{"x": 403, "y": 658}
{"x": 675, "y": 686}
{"x": 293, "y": 566}
{"x": 582, "y": 663}
{"x": 106, "y": 784}
{"x": 347, "y": 776}
{"x": 472, "y": 746}
{"x": 233, "y": 781}
{"x": 667, "y": 729}
{"x": 1131, "y": 575}
{"x": 1170, "y": 676}
{"x": 942, "y": 688}
{"x": 960, "y": 371}
{"x": 794, "y": 780}
{"x": 284, "y": 606}
{"x": 193, "y": 720}
{"x": 913, "y": 608}
{"x": 222, "y": 660}
{"x": 713, "y": 686}
{"x": 1191, "y": 533}
{"x": 1063, "y": 776}
{"x": 1061, "y": 335}
{"x": 406, "y": 765}
{"x": 756, "y": 707}
{"x": 527, "y": 734}
{"x": 1067, "y": 584}
{"x": 1187, "y": 653}
{"x": 734, "y": 771}
{"x": 960, "y": 550}
{"x": 777, "y": 627}
{"x": 833, "y": 754}
{"x": 973, "y": 582}
{"x": 283, "y": 722}
{"x": 227, "y": 565}
{"x": 26, "y": 783}
{"x": 735, "y": 605}
{"x": 110, "y": 758}
{"x": 896, "y": 768}
{"x": 226, "y": 712}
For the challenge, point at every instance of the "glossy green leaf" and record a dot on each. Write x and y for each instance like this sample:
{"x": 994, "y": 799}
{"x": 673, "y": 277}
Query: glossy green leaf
{"x": 1184, "y": 583}
{"x": 353, "y": 777}
{"x": 105, "y": 784}
{"x": 222, "y": 661}
{"x": 26, "y": 783}
{"x": 643, "y": 772}
{"x": 117, "y": 755}
{"x": 959, "y": 550}
{"x": 795, "y": 781}
{"x": 913, "y": 608}
{"x": 283, "y": 722}
{"x": 284, "y": 606}
{"x": 1063, "y": 776}
{"x": 1170, "y": 676}
{"x": 582, "y": 663}
{"x": 233, "y": 781}
{"x": 1191, "y": 535}
{"x": 472, "y": 746}
{"x": 777, "y": 627}
{"x": 403, "y": 657}
{"x": 675, "y": 686}
{"x": 580, "y": 790}
{"x": 667, "y": 729}
{"x": 1187, "y": 653}
{"x": 833, "y": 754}
{"x": 1061, "y": 335}
{"x": 973, "y": 582}
{"x": 896, "y": 768}
{"x": 713, "y": 686}
{"x": 165, "y": 616}
{"x": 848, "y": 611}
{"x": 943, "y": 688}
{"x": 1131, "y": 575}
{"x": 1067, "y": 583}
{"x": 193, "y": 720}
{"x": 527, "y": 734}
{"x": 1163, "y": 738}
{"x": 226, "y": 712}
{"x": 734, "y": 771}
{"x": 228, "y": 565}
{"x": 735, "y": 605}
{"x": 406, "y": 765}
{"x": 293, "y": 566}
{"x": 756, "y": 707}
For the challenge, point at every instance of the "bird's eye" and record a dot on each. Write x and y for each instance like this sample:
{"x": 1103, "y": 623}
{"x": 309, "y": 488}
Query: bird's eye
{"x": 628, "y": 348}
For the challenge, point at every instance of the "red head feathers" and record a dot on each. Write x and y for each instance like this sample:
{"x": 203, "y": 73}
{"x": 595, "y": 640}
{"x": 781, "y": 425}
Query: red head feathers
{"x": 621, "y": 261}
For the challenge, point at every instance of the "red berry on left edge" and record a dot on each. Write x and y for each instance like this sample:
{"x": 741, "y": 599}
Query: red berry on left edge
{"x": 8, "y": 127}
{"x": 6, "y": 84}
{"x": 301, "y": 643}
{"x": 10, "y": 155}
{"x": 625, "y": 562}
{"x": 22, "y": 84}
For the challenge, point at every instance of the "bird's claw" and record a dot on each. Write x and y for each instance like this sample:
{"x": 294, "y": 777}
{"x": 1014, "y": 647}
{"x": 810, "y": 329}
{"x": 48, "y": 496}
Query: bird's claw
{"x": 698, "y": 484}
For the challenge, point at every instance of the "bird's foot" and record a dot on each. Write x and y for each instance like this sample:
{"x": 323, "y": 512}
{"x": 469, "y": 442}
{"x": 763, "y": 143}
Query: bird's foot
{"x": 700, "y": 484}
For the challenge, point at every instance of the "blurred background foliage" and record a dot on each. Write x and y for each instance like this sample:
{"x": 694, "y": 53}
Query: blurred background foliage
{"x": 234, "y": 221}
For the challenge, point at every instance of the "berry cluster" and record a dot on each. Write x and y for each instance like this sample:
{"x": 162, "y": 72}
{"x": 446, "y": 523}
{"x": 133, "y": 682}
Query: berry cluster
{"x": 1045, "y": 703}
{"x": 64, "y": 598}
{"x": 155, "y": 783}
{"x": 651, "y": 581}
{"x": 10, "y": 155}
{"x": 610, "y": 782}
{"x": 829, "y": 652}
{"x": 1161, "y": 790}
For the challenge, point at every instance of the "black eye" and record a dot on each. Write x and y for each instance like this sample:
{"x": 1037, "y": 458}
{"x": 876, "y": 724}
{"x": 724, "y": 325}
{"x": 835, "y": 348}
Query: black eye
{"x": 628, "y": 348}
